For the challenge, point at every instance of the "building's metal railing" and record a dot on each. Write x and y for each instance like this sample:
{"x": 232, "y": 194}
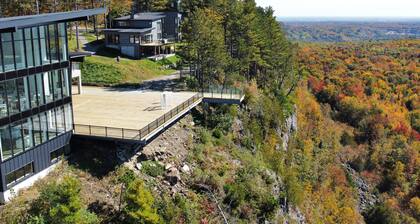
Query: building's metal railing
{"x": 223, "y": 93}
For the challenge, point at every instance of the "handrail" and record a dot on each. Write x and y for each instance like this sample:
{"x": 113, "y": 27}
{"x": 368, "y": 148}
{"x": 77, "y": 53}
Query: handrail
{"x": 132, "y": 134}
{"x": 223, "y": 93}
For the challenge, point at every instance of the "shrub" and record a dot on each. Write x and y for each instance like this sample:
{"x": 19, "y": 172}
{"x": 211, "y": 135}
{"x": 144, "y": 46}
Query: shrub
{"x": 152, "y": 168}
{"x": 217, "y": 133}
{"x": 205, "y": 136}
{"x": 382, "y": 214}
{"x": 61, "y": 203}
{"x": 126, "y": 176}
{"x": 140, "y": 204}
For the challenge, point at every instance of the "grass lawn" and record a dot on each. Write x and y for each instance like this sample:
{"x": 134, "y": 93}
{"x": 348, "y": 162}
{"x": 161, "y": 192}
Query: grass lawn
{"x": 103, "y": 69}
{"x": 106, "y": 70}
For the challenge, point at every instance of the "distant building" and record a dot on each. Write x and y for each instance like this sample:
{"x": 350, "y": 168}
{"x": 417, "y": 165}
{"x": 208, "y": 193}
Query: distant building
{"x": 144, "y": 34}
{"x": 36, "y": 115}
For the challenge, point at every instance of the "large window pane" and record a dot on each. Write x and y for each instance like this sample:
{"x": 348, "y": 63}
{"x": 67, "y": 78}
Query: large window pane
{"x": 28, "y": 43}
{"x": 3, "y": 100}
{"x": 65, "y": 81}
{"x": 59, "y": 112}
{"x": 12, "y": 97}
{"x": 45, "y": 58}
{"x": 32, "y": 91}
{"x": 40, "y": 88}
{"x": 52, "y": 127}
{"x": 37, "y": 52}
{"x": 17, "y": 141}
{"x": 19, "y": 50}
{"x": 37, "y": 129}
{"x": 7, "y": 45}
{"x": 6, "y": 147}
{"x": 22, "y": 84}
{"x": 44, "y": 125}
{"x": 57, "y": 83}
{"x": 27, "y": 131}
{"x": 53, "y": 43}
{"x": 48, "y": 87}
{"x": 62, "y": 41}
{"x": 68, "y": 116}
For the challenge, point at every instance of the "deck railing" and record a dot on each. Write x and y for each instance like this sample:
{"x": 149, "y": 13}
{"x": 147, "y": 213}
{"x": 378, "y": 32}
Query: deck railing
{"x": 132, "y": 134}
{"x": 223, "y": 93}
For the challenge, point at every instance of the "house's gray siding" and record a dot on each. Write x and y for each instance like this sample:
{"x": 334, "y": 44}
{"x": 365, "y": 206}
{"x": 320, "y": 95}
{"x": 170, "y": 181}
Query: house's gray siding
{"x": 171, "y": 25}
{"x": 40, "y": 156}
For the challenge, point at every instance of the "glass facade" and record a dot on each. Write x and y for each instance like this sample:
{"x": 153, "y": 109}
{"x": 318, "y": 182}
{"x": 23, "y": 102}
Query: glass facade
{"x": 29, "y": 132}
{"x": 34, "y": 46}
{"x": 22, "y": 94}
{"x": 27, "y": 48}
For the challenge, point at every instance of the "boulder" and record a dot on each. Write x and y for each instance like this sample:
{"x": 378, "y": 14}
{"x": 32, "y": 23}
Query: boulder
{"x": 168, "y": 166}
{"x": 185, "y": 169}
{"x": 138, "y": 166}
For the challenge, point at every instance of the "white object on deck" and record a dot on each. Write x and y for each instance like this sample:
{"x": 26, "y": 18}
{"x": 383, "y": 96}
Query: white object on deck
{"x": 163, "y": 100}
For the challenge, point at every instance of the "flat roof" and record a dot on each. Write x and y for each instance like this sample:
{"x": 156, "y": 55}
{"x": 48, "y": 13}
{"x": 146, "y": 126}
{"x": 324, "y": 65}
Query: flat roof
{"x": 122, "y": 108}
{"x": 144, "y": 16}
{"x": 128, "y": 30}
{"x": 11, "y": 24}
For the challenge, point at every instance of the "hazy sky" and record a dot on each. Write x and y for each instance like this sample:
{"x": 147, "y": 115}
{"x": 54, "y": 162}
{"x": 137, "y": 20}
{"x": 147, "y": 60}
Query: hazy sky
{"x": 344, "y": 8}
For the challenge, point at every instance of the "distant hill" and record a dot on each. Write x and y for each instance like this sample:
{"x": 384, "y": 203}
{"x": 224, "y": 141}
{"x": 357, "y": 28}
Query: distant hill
{"x": 344, "y": 31}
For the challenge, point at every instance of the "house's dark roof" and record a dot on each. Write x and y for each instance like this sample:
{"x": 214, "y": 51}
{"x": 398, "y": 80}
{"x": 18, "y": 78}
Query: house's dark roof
{"x": 149, "y": 16}
{"x": 10, "y": 24}
{"x": 123, "y": 30}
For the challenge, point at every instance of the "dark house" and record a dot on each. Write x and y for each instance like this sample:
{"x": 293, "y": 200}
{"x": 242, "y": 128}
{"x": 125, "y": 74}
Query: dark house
{"x": 144, "y": 34}
{"x": 36, "y": 119}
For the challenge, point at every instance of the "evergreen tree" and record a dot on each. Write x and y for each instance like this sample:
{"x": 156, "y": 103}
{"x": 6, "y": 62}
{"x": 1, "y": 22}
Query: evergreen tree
{"x": 140, "y": 204}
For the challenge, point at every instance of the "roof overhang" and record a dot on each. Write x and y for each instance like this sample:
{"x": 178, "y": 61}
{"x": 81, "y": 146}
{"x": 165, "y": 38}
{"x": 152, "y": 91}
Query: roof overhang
{"x": 129, "y": 30}
{"x": 79, "y": 56}
{"x": 11, "y": 24}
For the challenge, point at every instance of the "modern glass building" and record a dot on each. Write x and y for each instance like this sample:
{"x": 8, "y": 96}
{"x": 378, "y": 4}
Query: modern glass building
{"x": 36, "y": 118}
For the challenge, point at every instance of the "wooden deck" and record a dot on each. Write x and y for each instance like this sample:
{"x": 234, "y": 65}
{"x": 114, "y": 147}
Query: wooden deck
{"x": 128, "y": 114}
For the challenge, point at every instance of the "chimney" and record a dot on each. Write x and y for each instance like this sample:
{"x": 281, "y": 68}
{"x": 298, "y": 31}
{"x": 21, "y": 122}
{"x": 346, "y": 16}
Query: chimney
{"x": 133, "y": 9}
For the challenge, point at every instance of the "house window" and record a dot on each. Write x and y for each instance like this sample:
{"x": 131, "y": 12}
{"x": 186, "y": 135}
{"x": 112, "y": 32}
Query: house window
{"x": 134, "y": 39}
{"x": 113, "y": 38}
{"x": 15, "y": 176}
{"x": 123, "y": 23}
{"x": 56, "y": 155}
{"x": 159, "y": 26}
{"x": 148, "y": 38}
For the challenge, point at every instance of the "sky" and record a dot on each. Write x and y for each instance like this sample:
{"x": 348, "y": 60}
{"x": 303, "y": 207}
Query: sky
{"x": 344, "y": 8}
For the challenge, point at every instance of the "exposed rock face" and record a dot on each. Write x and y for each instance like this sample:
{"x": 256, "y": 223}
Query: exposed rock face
{"x": 366, "y": 198}
{"x": 289, "y": 128}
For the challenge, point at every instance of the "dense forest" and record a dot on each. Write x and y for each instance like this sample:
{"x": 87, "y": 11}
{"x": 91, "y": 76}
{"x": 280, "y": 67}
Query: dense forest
{"x": 345, "y": 31}
{"x": 328, "y": 133}
{"x": 369, "y": 91}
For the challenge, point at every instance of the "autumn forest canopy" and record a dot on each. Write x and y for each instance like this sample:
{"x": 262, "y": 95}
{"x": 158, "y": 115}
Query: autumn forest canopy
{"x": 328, "y": 132}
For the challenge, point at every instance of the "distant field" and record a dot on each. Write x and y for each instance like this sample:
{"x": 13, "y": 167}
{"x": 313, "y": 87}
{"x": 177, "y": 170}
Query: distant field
{"x": 342, "y": 31}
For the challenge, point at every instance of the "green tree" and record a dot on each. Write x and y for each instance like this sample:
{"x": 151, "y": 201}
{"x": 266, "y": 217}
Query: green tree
{"x": 61, "y": 203}
{"x": 205, "y": 46}
{"x": 140, "y": 204}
